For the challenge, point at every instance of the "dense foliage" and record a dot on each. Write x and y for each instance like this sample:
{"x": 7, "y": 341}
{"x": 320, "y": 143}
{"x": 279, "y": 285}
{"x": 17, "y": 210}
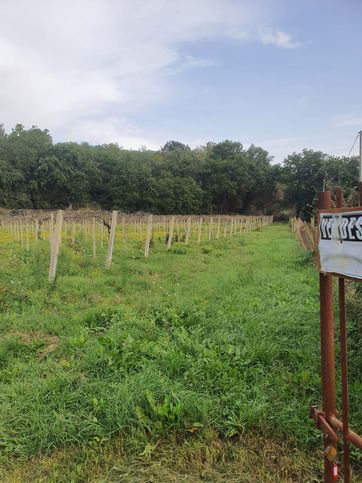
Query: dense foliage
{"x": 223, "y": 177}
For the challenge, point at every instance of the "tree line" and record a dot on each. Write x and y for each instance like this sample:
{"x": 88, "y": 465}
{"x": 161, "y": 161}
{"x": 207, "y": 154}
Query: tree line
{"x": 215, "y": 178}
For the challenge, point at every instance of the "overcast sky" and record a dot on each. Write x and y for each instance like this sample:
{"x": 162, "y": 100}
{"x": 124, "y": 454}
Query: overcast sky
{"x": 283, "y": 74}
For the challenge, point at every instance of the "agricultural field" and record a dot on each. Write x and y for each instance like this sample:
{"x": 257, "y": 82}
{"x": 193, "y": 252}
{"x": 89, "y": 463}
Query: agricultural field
{"x": 194, "y": 363}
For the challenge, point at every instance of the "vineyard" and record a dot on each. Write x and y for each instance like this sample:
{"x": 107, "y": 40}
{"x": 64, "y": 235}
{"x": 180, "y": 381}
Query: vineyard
{"x": 193, "y": 362}
{"x": 165, "y": 347}
{"x": 180, "y": 242}
{"x": 101, "y": 230}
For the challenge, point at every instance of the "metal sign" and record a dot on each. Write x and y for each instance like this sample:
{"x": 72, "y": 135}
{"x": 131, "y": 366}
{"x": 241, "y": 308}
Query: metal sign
{"x": 340, "y": 243}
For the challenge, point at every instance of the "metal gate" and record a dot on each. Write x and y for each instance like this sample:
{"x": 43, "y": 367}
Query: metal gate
{"x": 327, "y": 419}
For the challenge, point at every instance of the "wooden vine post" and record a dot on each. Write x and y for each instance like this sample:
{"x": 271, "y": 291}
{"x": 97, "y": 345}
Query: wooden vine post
{"x": 218, "y": 228}
{"x": 187, "y": 233}
{"x": 21, "y": 233}
{"x": 94, "y": 238}
{"x": 111, "y": 240}
{"x": 51, "y": 228}
{"x": 199, "y": 232}
{"x": 73, "y": 232}
{"x": 27, "y": 235}
{"x": 170, "y": 233}
{"x": 148, "y": 237}
{"x": 102, "y": 229}
{"x": 36, "y": 230}
{"x": 54, "y": 247}
{"x": 210, "y": 230}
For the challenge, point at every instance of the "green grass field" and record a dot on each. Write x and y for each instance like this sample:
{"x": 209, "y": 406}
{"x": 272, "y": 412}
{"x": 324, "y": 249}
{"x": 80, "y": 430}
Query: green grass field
{"x": 196, "y": 364}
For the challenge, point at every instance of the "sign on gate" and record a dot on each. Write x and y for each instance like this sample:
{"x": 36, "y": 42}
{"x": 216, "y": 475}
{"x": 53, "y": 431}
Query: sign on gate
{"x": 340, "y": 254}
{"x": 340, "y": 242}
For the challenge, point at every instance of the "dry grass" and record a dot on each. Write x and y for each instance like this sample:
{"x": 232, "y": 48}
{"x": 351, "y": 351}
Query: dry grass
{"x": 250, "y": 458}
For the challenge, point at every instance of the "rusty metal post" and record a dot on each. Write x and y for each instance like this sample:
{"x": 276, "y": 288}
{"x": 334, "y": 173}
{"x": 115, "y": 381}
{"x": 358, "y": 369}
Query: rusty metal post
{"x": 354, "y": 438}
{"x": 327, "y": 346}
{"x": 360, "y": 168}
{"x": 344, "y": 378}
{"x": 344, "y": 363}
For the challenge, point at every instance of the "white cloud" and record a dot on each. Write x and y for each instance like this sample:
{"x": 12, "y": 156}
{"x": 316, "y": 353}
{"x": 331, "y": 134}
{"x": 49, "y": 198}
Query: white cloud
{"x": 349, "y": 121}
{"x": 278, "y": 38}
{"x": 281, "y": 147}
{"x": 111, "y": 130}
{"x": 85, "y": 68}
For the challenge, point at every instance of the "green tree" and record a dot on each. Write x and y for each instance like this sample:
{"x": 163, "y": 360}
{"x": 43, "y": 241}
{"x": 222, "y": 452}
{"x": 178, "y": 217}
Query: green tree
{"x": 304, "y": 175}
{"x": 171, "y": 146}
{"x": 226, "y": 178}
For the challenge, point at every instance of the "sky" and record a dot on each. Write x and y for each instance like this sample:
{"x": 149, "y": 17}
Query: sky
{"x": 281, "y": 74}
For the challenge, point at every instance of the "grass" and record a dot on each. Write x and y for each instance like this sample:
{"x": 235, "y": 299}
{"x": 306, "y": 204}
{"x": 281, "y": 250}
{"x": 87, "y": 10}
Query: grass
{"x": 197, "y": 363}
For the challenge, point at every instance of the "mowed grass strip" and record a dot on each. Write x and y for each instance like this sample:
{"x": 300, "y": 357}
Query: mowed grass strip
{"x": 220, "y": 339}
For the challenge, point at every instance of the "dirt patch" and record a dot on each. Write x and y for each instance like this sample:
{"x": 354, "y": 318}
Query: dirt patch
{"x": 47, "y": 343}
